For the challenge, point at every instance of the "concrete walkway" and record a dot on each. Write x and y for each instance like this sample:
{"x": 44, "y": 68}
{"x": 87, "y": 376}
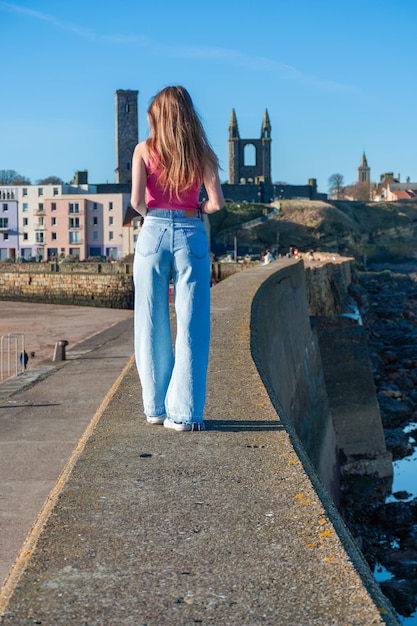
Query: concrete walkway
{"x": 43, "y": 414}
{"x": 229, "y": 526}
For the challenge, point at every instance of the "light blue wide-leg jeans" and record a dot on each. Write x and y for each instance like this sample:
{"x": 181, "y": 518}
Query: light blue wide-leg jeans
{"x": 173, "y": 380}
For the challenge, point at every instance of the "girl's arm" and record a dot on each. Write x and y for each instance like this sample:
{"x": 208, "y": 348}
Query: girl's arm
{"x": 213, "y": 187}
{"x": 137, "y": 200}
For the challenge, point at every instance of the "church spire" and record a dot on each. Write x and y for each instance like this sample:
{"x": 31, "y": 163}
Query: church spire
{"x": 364, "y": 171}
{"x": 266, "y": 126}
{"x": 233, "y": 127}
{"x": 364, "y": 162}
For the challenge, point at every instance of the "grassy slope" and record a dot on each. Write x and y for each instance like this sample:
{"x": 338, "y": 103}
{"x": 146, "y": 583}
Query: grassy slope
{"x": 318, "y": 225}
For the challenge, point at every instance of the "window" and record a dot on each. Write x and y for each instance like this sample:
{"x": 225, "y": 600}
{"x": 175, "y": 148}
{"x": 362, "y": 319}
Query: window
{"x": 56, "y": 191}
{"x": 25, "y": 221}
{"x": 249, "y": 155}
{"x": 25, "y": 206}
{"x": 111, "y": 220}
{"x": 135, "y": 238}
{"x": 74, "y": 207}
{"x": 40, "y": 222}
{"x": 53, "y": 236}
{"x": 25, "y": 236}
{"x": 111, "y": 252}
{"x": 95, "y": 206}
{"x": 95, "y": 235}
{"x": 74, "y": 237}
{"x": 53, "y": 221}
{"x": 5, "y": 236}
{"x": 110, "y": 206}
{"x": 39, "y": 237}
{"x": 53, "y": 206}
{"x": 135, "y": 225}
{"x": 95, "y": 221}
{"x": 74, "y": 222}
{"x": 40, "y": 206}
{"x": 40, "y": 191}
{"x": 24, "y": 192}
{"x": 5, "y": 206}
{"x": 111, "y": 236}
{"x": 4, "y": 222}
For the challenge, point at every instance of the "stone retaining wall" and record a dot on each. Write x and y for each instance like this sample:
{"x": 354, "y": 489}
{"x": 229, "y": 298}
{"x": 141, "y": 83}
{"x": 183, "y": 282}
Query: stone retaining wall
{"x": 101, "y": 290}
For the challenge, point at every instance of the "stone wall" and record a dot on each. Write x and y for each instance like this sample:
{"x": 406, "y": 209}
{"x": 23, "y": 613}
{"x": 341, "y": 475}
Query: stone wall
{"x": 288, "y": 358}
{"x": 101, "y": 290}
{"x": 317, "y": 368}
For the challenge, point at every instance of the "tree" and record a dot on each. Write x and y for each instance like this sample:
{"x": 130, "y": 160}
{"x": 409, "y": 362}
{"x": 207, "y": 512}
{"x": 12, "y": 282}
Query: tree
{"x": 363, "y": 192}
{"x": 21, "y": 180}
{"x": 336, "y": 185}
{"x": 11, "y": 177}
{"x": 51, "y": 180}
{"x": 7, "y": 177}
{"x": 358, "y": 191}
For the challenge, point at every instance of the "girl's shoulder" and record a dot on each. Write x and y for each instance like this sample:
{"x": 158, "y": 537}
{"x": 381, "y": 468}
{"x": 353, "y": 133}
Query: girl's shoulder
{"x": 141, "y": 151}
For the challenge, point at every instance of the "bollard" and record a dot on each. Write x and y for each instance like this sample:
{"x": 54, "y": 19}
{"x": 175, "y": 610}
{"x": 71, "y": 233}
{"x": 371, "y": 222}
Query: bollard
{"x": 59, "y": 353}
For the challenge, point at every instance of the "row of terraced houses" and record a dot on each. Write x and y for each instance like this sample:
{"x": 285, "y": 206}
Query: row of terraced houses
{"x": 40, "y": 222}
{"x": 78, "y": 219}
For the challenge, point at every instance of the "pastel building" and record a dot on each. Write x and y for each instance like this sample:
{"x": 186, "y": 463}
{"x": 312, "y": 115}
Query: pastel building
{"x": 31, "y": 213}
{"x": 9, "y": 231}
{"x": 86, "y": 225}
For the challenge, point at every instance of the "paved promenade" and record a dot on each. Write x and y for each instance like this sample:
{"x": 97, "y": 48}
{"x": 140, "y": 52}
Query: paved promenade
{"x": 229, "y": 526}
{"x": 44, "y": 412}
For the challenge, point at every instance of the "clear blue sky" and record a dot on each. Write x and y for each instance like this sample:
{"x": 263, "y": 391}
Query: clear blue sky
{"x": 337, "y": 78}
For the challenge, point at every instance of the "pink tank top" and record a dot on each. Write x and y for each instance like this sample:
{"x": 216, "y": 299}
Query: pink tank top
{"x": 156, "y": 198}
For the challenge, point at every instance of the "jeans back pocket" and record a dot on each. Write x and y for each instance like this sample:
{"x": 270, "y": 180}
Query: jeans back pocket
{"x": 196, "y": 242}
{"x": 150, "y": 238}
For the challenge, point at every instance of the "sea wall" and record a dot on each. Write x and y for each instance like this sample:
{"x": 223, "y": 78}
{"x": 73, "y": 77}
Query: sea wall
{"x": 316, "y": 366}
{"x": 287, "y": 355}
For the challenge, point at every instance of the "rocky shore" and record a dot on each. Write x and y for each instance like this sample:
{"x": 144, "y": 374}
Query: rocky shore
{"x": 383, "y": 520}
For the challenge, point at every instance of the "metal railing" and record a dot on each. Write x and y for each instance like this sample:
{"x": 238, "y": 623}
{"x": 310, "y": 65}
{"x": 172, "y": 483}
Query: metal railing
{"x": 13, "y": 358}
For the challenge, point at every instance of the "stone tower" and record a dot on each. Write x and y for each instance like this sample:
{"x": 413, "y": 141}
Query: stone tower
{"x": 240, "y": 170}
{"x": 127, "y": 133}
{"x": 364, "y": 172}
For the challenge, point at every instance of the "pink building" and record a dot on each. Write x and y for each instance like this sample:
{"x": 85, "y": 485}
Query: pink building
{"x": 85, "y": 225}
{"x": 64, "y": 227}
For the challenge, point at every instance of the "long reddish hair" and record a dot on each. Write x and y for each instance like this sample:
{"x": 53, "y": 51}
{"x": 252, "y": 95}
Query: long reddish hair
{"x": 178, "y": 146}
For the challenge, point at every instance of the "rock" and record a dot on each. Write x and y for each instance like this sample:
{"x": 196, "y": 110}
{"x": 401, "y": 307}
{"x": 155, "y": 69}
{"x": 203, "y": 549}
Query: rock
{"x": 403, "y": 595}
{"x": 402, "y": 495}
{"x": 388, "y": 531}
{"x": 394, "y": 516}
{"x": 397, "y": 443}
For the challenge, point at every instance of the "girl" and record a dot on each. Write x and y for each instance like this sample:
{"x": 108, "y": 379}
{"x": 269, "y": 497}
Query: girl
{"x": 168, "y": 170}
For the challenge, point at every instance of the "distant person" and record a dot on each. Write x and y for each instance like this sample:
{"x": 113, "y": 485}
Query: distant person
{"x": 168, "y": 171}
{"x": 24, "y": 358}
{"x": 268, "y": 257}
